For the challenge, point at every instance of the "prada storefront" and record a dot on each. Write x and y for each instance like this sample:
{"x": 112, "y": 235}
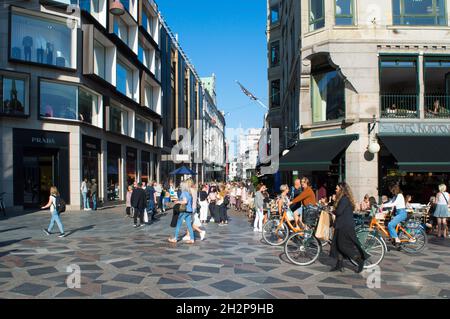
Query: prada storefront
{"x": 41, "y": 160}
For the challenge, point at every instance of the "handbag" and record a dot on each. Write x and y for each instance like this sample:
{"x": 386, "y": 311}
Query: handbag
{"x": 323, "y": 228}
{"x": 182, "y": 208}
{"x": 145, "y": 216}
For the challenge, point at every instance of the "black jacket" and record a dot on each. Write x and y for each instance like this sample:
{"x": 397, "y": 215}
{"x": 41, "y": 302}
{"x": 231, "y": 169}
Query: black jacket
{"x": 139, "y": 199}
{"x": 344, "y": 214}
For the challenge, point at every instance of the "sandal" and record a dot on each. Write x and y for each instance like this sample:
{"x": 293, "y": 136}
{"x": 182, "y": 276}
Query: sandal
{"x": 172, "y": 240}
{"x": 190, "y": 242}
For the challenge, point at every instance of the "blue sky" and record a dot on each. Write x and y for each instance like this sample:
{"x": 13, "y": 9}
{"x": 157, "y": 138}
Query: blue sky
{"x": 225, "y": 37}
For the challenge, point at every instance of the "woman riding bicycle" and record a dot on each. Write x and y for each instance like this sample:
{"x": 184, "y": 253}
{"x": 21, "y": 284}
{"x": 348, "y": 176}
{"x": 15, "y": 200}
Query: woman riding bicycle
{"x": 398, "y": 202}
{"x": 283, "y": 202}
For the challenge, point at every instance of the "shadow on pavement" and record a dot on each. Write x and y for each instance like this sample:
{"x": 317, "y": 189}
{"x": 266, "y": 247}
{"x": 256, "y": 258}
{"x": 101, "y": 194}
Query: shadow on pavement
{"x": 86, "y": 228}
{"x": 9, "y": 243}
{"x": 11, "y": 229}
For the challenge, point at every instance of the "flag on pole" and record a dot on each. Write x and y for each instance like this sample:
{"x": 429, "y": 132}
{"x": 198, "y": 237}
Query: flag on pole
{"x": 247, "y": 92}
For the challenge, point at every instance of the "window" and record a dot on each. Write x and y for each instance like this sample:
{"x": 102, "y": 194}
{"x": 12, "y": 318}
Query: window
{"x": 67, "y": 101}
{"x": 99, "y": 59}
{"x": 140, "y": 130}
{"x": 274, "y": 14}
{"x": 41, "y": 40}
{"x": 316, "y": 14}
{"x": 14, "y": 95}
{"x": 419, "y": 12}
{"x": 124, "y": 80}
{"x": 328, "y": 96}
{"x": 275, "y": 53}
{"x": 275, "y": 93}
{"x": 145, "y": 21}
{"x": 126, "y": 4}
{"x": 437, "y": 86}
{"x": 344, "y": 12}
{"x": 118, "y": 120}
{"x": 121, "y": 30}
{"x": 149, "y": 98}
{"x": 144, "y": 55}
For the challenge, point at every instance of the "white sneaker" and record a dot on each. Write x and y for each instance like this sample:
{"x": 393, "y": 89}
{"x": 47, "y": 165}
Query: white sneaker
{"x": 186, "y": 238}
{"x": 255, "y": 229}
{"x": 202, "y": 235}
{"x": 212, "y": 220}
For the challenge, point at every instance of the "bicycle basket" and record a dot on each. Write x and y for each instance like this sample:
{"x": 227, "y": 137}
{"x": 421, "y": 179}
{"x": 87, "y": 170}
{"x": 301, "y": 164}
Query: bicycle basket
{"x": 311, "y": 215}
{"x": 413, "y": 224}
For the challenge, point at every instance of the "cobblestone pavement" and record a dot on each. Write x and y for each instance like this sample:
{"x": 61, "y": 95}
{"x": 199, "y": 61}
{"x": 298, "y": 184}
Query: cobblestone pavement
{"x": 118, "y": 261}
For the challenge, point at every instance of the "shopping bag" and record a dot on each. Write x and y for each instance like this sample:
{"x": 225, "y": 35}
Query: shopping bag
{"x": 145, "y": 216}
{"x": 323, "y": 228}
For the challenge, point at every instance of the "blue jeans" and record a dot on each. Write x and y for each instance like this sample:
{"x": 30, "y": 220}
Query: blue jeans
{"x": 402, "y": 215}
{"x": 85, "y": 200}
{"x": 94, "y": 201}
{"x": 151, "y": 209}
{"x": 188, "y": 218}
{"x": 55, "y": 218}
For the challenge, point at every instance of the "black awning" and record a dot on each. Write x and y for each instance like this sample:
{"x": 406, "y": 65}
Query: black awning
{"x": 316, "y": 154}
{"x": 416, "y": 153}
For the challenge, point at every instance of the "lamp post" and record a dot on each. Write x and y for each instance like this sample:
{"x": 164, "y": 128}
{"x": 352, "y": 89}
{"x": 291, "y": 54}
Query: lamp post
{"x": 373, "y": 146}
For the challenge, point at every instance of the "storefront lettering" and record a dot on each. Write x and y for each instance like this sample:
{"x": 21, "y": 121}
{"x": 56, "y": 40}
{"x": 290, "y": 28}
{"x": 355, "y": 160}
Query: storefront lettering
{"x": 91, "y": 146}
{"x": 415, "y": 128}
{"x": 43, "y": 140}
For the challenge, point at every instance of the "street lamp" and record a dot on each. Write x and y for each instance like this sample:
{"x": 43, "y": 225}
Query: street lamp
{"x": 374, "y": 147}
{"x": 116, "y": 8}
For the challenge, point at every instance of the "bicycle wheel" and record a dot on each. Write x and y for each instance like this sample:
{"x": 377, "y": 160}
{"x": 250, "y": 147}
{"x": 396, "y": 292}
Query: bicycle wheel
{"x": 302, "y": 251}
{"x": 274, "y": 235}
{"x": 420, "y": 237}
{"x": 373, "y": 245}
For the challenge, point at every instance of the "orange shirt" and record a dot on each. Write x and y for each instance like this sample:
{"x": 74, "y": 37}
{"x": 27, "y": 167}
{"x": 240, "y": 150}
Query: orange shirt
{"x": 307, "y": 197}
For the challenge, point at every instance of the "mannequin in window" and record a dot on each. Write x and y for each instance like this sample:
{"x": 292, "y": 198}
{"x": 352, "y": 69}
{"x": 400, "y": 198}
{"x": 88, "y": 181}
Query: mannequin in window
{"x": 27, "y": 43}
{"x": 49, "y": 52}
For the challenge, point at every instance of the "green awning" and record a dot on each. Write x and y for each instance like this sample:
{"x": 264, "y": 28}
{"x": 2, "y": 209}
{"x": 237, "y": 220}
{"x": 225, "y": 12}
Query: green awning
{"x": 418, "y": 153}
{"x": 316, "y": 154}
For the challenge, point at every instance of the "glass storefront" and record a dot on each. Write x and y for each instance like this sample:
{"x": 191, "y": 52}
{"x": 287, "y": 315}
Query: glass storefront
{"x": 145, "y": 166}
{"x": 113, "y": 169}
{"x": 131, "y": 165}
{"x": 91, "y": 149}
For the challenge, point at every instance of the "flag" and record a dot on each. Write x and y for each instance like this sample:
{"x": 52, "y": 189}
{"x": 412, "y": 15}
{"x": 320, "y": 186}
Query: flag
{"x": 247, "y": 92}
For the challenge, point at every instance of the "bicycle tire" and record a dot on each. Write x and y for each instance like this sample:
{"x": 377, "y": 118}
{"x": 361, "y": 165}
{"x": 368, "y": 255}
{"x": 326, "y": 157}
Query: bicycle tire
{"x": 373, "y": 245}
{"x": 297, "y": 247}
{"x": 421, "y": 241}
{"x": 270, "y": 234}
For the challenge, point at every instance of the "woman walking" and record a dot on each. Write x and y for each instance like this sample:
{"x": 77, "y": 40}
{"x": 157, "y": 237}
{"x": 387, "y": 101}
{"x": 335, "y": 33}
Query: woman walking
{"x": 203, "y": 204}
{"x": 212, "y": 198}
{"x": 259, "y": 207}
{"x": 185, "y": 214}
{"x": 53, "y": 203}
{"x": 345, "y": 243}
{"x": 441, "y": 213}
{"x": 128, "y": 202}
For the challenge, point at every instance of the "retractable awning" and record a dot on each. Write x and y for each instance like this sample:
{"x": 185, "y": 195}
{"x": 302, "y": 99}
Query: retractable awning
{"x": 416, "y": 153}
{"x": 316, "y": 154}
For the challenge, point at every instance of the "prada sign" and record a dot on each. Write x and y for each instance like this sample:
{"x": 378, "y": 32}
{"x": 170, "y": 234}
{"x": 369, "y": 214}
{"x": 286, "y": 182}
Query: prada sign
{"x": 37, "y": 138}
{"x": 419, "y": 128}
{"x": 42, "y": 140}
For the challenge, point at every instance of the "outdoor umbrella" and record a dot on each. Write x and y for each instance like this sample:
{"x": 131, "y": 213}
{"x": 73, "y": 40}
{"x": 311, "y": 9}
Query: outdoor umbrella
{"x": 183, "y": 171}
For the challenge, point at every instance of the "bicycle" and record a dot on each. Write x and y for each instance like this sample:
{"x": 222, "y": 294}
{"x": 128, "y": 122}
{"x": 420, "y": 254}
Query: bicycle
{"x": 2, "y": 204}
{"x": 413, "y": 238}
{"x": 276, "y": 231}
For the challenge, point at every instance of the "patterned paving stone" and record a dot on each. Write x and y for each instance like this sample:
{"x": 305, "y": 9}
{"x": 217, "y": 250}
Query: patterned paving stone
{"x": 339, "y": 292}
{"x": 42, "y": 271}
{"x": 227, "y": 286}
{"x": 124, "y": 264}
{"x": 107, "y": 289}
{"x": 261, "y": 294}
{"x": 296, "y": 290}
{"x": 71, "y": 293}
{"x": 32, "y": 290}
{"x": 128, "y": 279}
{"x": 139, "y": 295}
{"x": 214, "y": 270}
{"x": 297, "y": 274}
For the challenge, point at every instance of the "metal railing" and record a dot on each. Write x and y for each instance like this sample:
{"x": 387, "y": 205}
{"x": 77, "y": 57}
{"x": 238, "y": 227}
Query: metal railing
{"x": 437, "y": 106}
{"x": 399, "y": 105}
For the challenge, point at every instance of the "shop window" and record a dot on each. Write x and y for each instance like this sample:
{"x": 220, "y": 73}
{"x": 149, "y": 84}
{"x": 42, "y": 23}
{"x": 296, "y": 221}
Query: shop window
{"x": 67, "y": 101}
{"x": 275, "y": 93}
{"x": 99, "y": 59}
{"x": 399, "y": 90}
{"x": 328, "y": 96}
{"x": 14, "y": 95}
{"x": 275, "y": 53}
{"x": 41, "y": 40}
{"x": 275, "y": 14}
{"x": 316, "y": 14}
{"x": 113, "y": 169}
{"x": 419, "y": 12}
{"x": 118, "y": 120}
{"x": 344, "y": 12}
{"x": 140, "y": 130}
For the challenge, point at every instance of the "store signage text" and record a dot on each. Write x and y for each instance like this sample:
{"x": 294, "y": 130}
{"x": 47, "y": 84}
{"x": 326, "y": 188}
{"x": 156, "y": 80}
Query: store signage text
{"x": 43, "y": 140}
{"x": 416, "y": 128}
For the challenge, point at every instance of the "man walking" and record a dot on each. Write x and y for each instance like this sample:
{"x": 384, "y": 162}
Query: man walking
{"x": 151, "y": 200}
{"x": 94, "y": 190}
{"x": 84, "y": 192}
{"x": 138, "y": 202}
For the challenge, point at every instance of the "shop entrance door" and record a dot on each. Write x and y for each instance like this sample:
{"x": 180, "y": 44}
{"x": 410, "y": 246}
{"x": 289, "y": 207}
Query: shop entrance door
{"x": 39, "y": 176}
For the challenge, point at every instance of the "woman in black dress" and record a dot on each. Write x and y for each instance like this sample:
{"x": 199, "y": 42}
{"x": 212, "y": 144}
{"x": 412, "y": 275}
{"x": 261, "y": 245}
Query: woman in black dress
{"x": 345, "y": 242}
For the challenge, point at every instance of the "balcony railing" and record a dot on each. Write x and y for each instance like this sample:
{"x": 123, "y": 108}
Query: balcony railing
{"x": 399, "y": 106}
{"x": 437, "y": 106}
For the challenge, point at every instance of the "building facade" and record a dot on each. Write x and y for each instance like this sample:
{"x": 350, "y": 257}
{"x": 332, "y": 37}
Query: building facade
{"x": 365, "y": 73}
{"x": 214, "y": 147}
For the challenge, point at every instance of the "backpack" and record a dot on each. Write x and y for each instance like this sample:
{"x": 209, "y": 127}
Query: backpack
{"x": 60, "y": 205}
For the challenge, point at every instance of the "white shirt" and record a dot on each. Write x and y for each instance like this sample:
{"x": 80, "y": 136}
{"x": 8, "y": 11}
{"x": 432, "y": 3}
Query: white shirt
{"x": 398, "y": 203}
{"x": 441, "y": 199}
{"x": 53, "y": 205}
{"x": 239, "y": 192}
